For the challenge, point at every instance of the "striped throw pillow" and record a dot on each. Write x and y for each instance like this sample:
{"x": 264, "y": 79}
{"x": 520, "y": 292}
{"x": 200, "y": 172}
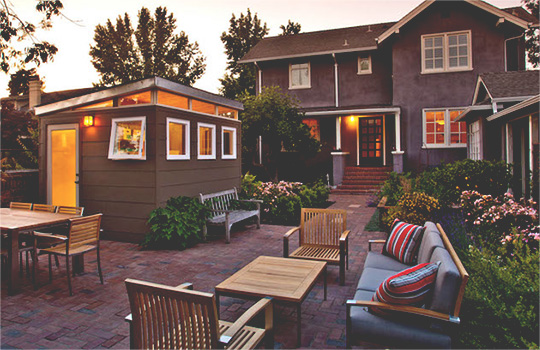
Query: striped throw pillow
{"x": 409, "y": 287}
{"x": 404, "y": 241}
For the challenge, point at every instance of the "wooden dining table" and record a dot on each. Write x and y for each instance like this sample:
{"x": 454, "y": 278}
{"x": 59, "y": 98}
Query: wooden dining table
{"x": 15, "y": 221}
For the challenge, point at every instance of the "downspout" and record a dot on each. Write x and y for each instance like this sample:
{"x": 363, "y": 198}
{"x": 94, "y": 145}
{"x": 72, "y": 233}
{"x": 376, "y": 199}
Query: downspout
{"x": 336, "y": 81}
{"x": 259, "y": 77}
{"x": 505, "y": 58}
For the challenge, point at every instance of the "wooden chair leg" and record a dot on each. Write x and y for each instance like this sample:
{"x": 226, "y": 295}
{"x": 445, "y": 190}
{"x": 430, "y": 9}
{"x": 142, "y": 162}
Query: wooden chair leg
{"x": 57, "y": 261}
{"x": 68, "y": 275}
{"x": 27, "y": 263}
{"x": 20, "y": 264}
{"x": 50, "y": 269}
{"x": 34, "y": 267}
{"x": 99, "y": 266}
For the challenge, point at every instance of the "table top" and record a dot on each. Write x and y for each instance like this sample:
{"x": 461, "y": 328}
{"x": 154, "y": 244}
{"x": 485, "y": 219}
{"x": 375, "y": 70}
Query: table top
{"x": 20, "y": 219}
{"x": 281, "y": 278}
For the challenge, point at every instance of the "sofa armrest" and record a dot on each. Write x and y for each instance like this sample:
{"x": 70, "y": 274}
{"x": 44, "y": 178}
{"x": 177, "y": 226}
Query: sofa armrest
{"x": 377, "y": 241}
{"x": 402, "y": 308}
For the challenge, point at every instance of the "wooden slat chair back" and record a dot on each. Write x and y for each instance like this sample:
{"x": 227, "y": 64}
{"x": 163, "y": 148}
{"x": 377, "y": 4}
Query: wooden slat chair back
{"x": 323, "y": 236}
{"x": 219, "y": 202}
{"x": 83, "y": 231}
{"x": 322, "y": 227}
{"x": 70, "y": 210}
{"x": 19, "y": 205}
{"x": 44, "y": 207}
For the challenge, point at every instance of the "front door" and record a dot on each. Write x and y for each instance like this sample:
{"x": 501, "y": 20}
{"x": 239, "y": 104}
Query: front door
{"x": 63, "y": 164}
{"x": 370, "y": 141}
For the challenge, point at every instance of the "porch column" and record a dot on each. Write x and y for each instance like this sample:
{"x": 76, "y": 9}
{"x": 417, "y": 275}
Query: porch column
{"x": 398, "y": 153}
{"x": 339, "y": 158}
{"x": 338, "y": 133}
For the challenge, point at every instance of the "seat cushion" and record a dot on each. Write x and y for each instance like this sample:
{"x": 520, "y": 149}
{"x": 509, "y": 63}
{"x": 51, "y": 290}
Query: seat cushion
{"x": 380, "y": 261}
{"x": 447, "y": 283}
{"x": 430, "y": 241}
{"x": 372, "y": 278}
{"x": 408, "y": 333}
{"x": 404, "y": 241}
{"x": 408, "y": 287}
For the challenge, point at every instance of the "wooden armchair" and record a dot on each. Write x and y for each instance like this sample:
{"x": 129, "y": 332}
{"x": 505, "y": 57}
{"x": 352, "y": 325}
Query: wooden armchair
{"x": 323, "y": 237}
{"x": 166, "y": 317}
{"x": 83, "y": 237}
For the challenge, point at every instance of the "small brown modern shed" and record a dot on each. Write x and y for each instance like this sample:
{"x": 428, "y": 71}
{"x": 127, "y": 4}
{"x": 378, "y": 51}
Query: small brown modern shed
{"x": 125, "y": 150}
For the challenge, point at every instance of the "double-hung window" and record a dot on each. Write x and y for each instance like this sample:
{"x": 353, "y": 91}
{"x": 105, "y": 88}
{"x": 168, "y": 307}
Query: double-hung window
{"x": 177, "y": 139}
{"x": 207, "y": 141}
{"x": 474, "y": 141}
{"x": 299, "y": 76}
{"x": 441, "y": 130}
{"x": 446, "y": 52}
{"x": 228, "y": 143}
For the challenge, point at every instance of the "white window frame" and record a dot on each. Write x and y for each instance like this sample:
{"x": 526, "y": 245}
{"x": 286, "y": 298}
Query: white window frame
{"x": 446, "y": 58}
{"x": 142, "y": 140}
{"x": 367, "y": 71}
{"x": 186, "y": 136}
{"x": 475, "y": 148}
{"x": 308, "y": 85}
{"x": 206, "y": 156}
{"x": 447, "y": 130}
{"x": 223, "y": 155}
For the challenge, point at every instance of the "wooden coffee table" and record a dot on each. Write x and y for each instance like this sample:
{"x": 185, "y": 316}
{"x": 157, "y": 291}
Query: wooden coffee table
{"x": 285, "y": 280}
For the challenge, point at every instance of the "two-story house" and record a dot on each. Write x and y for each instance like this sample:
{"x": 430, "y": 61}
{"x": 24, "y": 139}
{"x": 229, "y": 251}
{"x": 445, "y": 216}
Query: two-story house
{"x": 388, "y": 94}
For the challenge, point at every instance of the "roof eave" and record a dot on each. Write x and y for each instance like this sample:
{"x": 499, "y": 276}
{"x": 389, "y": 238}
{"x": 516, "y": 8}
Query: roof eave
{"x": 524, "y": 104}
{"x": 319, "y": 53}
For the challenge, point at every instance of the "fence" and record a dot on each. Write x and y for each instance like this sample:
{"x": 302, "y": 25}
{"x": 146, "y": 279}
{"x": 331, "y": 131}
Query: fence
{"x": 20, "y": 186}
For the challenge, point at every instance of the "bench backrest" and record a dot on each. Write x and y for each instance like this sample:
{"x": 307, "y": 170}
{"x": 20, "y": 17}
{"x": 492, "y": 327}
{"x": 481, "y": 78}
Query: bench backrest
{"x": 322, "y": 227}
{"x": 219, "y": 200}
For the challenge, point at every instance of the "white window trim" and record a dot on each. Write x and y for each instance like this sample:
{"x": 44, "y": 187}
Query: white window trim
{"x": 447, "y": 132}
{"x": 223, "y": 155}
{"x": 112, "y": 139}
{"x": 186, "y": 136}
{"x": 308, "y": 86}
{"x": 475, "y": 148}
{"x": 446, "y": 59}
{"x": 204, "y": 156}
{"x": 368, "y": 71}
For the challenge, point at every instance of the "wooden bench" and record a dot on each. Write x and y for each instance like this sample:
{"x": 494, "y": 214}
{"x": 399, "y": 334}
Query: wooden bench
{"x": 223, "y": 214}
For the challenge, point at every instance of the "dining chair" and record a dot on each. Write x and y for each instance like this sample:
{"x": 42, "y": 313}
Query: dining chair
{"x": 164, "y": 317}
{"x": 82, "y": 237}
{"x": 70, "y": 210}
{"x": 19, "y": 205}
{"x": 44, "y": 207}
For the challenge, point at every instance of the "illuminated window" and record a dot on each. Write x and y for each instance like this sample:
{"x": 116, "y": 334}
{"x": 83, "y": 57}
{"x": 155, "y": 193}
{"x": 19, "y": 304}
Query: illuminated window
{"x": 228, "y": 143}
{"x": 135, "y": 99}
{"x": 314, "y": 127}
{"x": 299, "y": 76}
{"x": 104, "y": 104}
{"x": 227, "y": 112}
{"x": 174, "y": 100}
{"x": 203, "y": 107}
{"x": 440, "y": 129}
{"x": 128, "y": 138}
{"x": 446, "y": 52}
{"x": 207, "y": 141}
{"x": 177, "y": 139}
{"x": 364, "y": 64}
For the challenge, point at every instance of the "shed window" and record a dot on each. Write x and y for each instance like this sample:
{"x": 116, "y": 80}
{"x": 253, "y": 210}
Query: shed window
{"x": 174, "y": 100}
{"x": 207, "y": 141}
{"x": 128, "y": 138}
{"x": 299, "y": 76}
{"x": 135, "y": 99}
{"x": 227, "y": 112}
{"x": 177, "y": 139}
{"x": 441, "y": 129}
{"x": 104, "y": 104}
{"x": 204, "y": 107}
{"x": 228, "y": 143}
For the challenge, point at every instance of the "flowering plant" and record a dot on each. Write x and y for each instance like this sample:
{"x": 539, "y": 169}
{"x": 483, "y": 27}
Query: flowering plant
{"x": 414, "y": 208}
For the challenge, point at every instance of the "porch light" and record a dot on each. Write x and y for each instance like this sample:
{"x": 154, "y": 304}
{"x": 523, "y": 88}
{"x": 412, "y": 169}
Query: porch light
{"x": 352, "y": 119}
{"x": 88, "y": 120}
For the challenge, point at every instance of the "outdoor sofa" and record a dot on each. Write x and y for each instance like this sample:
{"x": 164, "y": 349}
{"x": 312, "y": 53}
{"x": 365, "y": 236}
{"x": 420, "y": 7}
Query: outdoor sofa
{"x": 408, "y": 326}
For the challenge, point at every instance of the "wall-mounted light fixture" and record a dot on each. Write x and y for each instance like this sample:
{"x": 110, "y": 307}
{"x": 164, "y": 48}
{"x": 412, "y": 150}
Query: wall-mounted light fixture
{"x": 88, "y": 120}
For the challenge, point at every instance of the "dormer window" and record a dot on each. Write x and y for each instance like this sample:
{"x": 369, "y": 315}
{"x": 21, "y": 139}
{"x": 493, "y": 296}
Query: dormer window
{"x": 364, "y": 64}
{"x": 300, "y": 76}
{"x": 446, "y": 52}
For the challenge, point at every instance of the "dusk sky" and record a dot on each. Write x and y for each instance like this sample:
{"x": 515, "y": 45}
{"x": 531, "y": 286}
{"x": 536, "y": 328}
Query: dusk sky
{"x": 202, "y": 20}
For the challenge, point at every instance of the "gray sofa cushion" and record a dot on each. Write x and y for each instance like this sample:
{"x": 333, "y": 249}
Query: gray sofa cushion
{"x": 380, "y": 261}
{"x": 380, "y": 330}
{"x": 372, "y": 278}
{"x": 430, "y": 226}
{"x": 430, "y": 241}
{"x": 447, "y": 283}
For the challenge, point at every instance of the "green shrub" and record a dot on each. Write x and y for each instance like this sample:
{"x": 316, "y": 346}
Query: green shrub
{"x": 395, "y": 186}
{"x": 314, "y": 195}
{"x": 446, "y": 182}
{"x": 249, "y": 186}
{"x": 177, "y": 226}
{"x": 413, "y": 208}
{"x": 500, "y": 307}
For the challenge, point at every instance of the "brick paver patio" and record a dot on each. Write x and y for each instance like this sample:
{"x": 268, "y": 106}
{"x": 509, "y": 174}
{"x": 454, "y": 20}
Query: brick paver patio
{"x": 94, "y": 316}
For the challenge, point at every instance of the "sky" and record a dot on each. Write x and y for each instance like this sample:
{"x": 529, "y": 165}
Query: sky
{"x": 202, "y": 20}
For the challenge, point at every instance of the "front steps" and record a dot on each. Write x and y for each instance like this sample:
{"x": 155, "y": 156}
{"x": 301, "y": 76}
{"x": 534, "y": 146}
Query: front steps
{"x": 362, "y": 180}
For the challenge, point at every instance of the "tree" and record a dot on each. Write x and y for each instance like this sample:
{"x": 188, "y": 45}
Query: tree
{"x": 122, "y": 54}
{"x": 244, "y": 32}
{"x": 532, "y": 41}
{"x": 15, "y": 29}
{"x": 19, "y": 82}
{"x": 291, "y": 28}
{"x": 274, "y": 116}
{"x": 19, "y": 138}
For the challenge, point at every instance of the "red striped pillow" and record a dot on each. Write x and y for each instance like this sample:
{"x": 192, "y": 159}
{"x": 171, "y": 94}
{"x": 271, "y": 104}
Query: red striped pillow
{"x": 409, "y": 287}
{"x": 404, "y": 241}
